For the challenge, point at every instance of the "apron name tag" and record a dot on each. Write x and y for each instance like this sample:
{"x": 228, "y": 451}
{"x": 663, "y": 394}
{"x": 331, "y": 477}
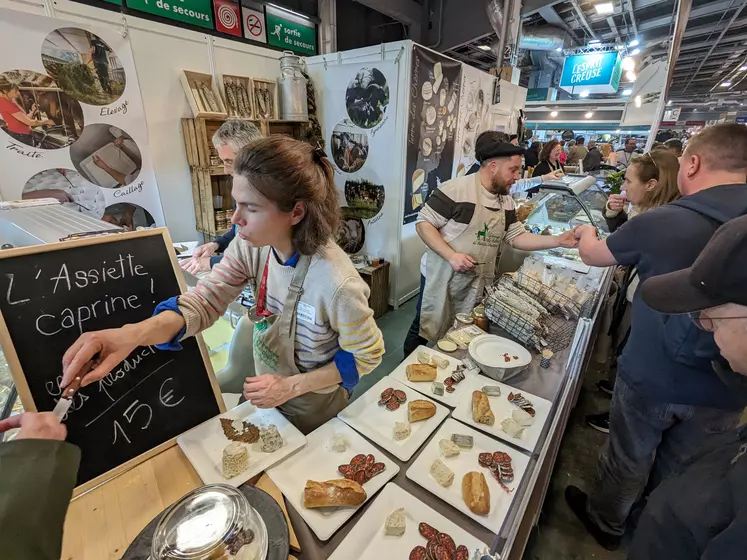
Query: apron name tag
{"x": 306, "y": 312}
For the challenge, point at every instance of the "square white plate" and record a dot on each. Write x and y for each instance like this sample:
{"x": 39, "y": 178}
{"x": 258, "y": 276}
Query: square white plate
{"x": 377, "y": 423}
{"x": 466, "y": 461}
{"x": 318, "y": 462}
{"x": 204, "y": 444}
{"x": 502, "y": 410}
{"x": 449, "y": 399}
{"x": 368, "y": 541}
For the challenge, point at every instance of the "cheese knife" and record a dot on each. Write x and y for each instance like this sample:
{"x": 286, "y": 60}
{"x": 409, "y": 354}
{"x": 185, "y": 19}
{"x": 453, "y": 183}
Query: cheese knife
{"x": 66, "y": 399}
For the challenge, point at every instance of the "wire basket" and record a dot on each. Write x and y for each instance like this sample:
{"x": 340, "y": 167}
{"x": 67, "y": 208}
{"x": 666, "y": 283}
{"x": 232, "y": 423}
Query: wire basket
{"x": 536, "y": 315}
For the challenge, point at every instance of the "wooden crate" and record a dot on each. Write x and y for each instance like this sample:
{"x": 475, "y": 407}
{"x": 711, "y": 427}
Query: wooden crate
{"x": 377, "y": 278}
{"x": 265, "y": 85}
{"x": 194, "y": 85}
{"x": 234, "y": 110}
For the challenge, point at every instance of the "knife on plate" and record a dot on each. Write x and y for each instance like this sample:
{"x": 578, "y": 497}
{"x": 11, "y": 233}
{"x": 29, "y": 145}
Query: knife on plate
{"x": 66, "y": 399}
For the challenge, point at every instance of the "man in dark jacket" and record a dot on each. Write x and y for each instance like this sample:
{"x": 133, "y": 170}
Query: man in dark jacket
{"x": 593, "y": 158}
{"x": 228, "y": 140}
{"x": 701, "y": 514}
{"x": 37, "y": 476}
{"x": 668, "y": 407}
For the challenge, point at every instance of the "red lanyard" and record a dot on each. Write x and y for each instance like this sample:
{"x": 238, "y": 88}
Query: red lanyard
{"x": 262, "y": 311}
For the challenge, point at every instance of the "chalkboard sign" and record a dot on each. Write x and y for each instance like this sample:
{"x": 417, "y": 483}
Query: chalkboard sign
{"x": 50, "y": 294}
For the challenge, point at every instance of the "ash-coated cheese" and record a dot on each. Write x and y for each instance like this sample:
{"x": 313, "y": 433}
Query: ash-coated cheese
{"x": 402, "y": 430}
{"x": 448, "y": 448}
{"x": 443, "y": 474}
{"x": 271, "y": 439}
{"x": 395, "y": 523}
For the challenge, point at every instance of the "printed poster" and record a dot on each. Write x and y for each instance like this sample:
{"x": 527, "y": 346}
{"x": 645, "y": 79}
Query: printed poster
{"x": 358, "y": 123}
{"x": 72, "y": 125}
{"x": 474, "y": 116}
{"x": 433, "y": 117}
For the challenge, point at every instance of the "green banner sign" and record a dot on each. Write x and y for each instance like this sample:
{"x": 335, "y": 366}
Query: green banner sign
{"x": 290, "y": 34}
{"x": 195, "y": 12}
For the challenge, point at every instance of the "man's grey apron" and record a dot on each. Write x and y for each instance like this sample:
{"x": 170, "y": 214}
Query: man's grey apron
{"x": 447, "y": 292}
{"x": 275, "y": 352}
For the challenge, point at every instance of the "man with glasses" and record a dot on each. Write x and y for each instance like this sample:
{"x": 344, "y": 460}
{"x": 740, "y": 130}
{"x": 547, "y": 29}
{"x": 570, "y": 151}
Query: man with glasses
{"x": 668, "y": 406}
{"x": 702, "y": 513}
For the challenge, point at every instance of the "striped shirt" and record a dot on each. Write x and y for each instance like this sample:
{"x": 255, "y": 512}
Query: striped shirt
{"x": 451, "y": 207}
{"x": 333, "y": 312}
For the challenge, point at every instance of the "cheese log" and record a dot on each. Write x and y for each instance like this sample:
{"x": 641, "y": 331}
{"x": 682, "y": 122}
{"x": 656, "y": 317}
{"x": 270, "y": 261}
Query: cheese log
{"x": 395, "y": 523}
{"x": 235, "y": 460}
{"x": 476, "y": 493}
{"x": 333, "y": 493}
{"x": 481, "y": 412}
{"x": 421, "y": 372}
{"x": 448, "y": 448}
{"x": 420, "y": 410}
{"x": 443, "y": 474}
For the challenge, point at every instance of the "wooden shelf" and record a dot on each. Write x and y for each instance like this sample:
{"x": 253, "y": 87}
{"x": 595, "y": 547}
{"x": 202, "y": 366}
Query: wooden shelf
{"x": 218, "y": 172}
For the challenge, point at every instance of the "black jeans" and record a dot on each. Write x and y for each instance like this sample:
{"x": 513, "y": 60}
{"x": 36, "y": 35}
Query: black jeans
{"x": 413, "y": 338}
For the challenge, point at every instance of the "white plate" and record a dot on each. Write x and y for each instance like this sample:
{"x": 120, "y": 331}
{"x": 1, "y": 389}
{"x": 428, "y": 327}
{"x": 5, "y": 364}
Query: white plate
{"x": 502, "y": 410}
{"x": 377, "y": 423}
{"x": 318, "y": 462}
{"x": 449, "y": 399}
{"x": 466, "y": 461}
{"x": 204, "y": 444}
{"x": 368, "y": 541}
{"x": 490, "y": 350}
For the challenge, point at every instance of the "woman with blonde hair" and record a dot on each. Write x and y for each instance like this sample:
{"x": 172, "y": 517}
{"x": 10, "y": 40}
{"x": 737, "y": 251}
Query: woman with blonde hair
{"x": 650, "y": 181}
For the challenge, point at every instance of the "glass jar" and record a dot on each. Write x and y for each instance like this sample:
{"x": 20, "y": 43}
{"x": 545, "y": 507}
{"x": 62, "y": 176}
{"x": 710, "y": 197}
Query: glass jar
{"x": 481, "y": 320}
{"x": 214, "y": 521}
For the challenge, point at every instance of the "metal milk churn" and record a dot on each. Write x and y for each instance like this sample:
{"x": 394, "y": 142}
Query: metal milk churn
{"x": 292, "y": 88}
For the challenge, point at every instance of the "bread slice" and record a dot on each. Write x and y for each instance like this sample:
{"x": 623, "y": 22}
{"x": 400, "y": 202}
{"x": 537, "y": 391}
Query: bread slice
{"x": 476, "y": 493}
{"x": 421, "y": 372}
{"x": 333, "y": 493}
{"x": 481, "y": 412}
{"x": 420, "y": 410}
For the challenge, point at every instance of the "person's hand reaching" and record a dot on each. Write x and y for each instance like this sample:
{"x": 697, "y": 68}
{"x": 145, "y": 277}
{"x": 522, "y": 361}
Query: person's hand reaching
{"x": 268, "y": 390}
{"x": 111, "y": 345}
{"x": 586, "y": 229}
{"x": 35, "y": 425}
{"x": 196, "y": 265}
{"x": 553, "y": 175}
{"x": 617, "y": 202}
{"x": 568, "y": 239}
{"x": 461, "y": 262}
{"x": 206, "y": 250}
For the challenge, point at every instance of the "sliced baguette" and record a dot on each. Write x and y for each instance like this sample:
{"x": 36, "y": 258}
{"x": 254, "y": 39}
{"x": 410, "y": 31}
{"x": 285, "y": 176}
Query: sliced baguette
{"x": 420, "y": 410}
{"x": 421, "y": 372}
{"x": 481, "y": 412}
{"x": 476, "y": 493}
{"x": 333, "y": 493}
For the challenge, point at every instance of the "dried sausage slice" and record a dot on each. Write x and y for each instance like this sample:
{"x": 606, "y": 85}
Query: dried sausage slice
{"x": 462, "y": 553}
{"x": 419, "y": 553}
{"x": 427, "y": 531}
{"x": 485, "y": 459}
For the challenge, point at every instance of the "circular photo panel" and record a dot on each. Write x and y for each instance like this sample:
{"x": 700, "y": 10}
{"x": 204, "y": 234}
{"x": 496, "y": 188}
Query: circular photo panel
{"x": 128, "y": 215}
{"x": 67, "y": 186}
{"x": 365, "y": 198}
{"x": 83, "y": 65}
{"x": 367, "y": 97}
{"x": 107, "y": 156}
{"x": 35, "y": 112}
{"x": 352, "y": 234}
{"x": 349, "y": 146}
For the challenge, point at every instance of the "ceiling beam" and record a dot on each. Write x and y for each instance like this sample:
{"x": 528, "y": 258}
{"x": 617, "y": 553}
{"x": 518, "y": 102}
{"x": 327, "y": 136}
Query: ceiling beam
{"x": 613, "y": 27}
{"x": 550, "y": 15}
{"x": 406, "y": 11}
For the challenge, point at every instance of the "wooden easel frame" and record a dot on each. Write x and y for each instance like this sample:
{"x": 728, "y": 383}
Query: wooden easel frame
{"x": 16, "y": 369}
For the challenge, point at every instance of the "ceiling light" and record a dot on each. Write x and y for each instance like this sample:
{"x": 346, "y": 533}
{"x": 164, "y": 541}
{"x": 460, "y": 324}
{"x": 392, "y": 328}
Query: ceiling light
{"x": 634, "y": 43}
{"x": 483, "y": 47}
{"x": 589, "y": 115}
{"x": 558, "y": 49}
{"x": 584, "y": 93}
{"x": 605, "y": 8}
{"x": 695, "y": 110}
{"x": 742, "y": 68}
{"x": 619, "y": 47}
{"x": 617, "y": 131}
{"x": 635, "y": 52}
{"x": 627, "y": 91}
{"x": 628, "y": 63}
{"x": 630, "y": 76}
{"x": 594, "y": 42}
{"x": 554, "y": 114}
{"x": 669, "y": 102}
{"x": 725, "y": 84}
{"x": 638, "y": 100}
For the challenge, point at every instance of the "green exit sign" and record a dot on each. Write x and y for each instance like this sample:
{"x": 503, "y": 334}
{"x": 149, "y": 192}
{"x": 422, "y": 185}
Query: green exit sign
{"x": 196, "y": 12}
{"x": 289, "y": 32}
